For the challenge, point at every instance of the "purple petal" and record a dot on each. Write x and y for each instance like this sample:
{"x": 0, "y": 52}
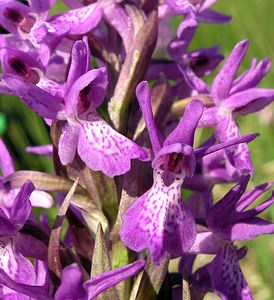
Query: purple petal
{"x": 248, "y": 229}
{"x": 15, "y": 264}
{"x": 118, "y": 18}
{"x": 68, "y": 143}
{"x": 80, "y": 20}
{"x": 45, "y": 150}
{"x": 226, "y": 276}
{"x": 243, "y": 98}
{"x": 237, "y": 157}
{"x": 249, "y": 197}
{"x": 206, "y": 243}
{"x": 29, "y": 290}
{"x": 202, "y": 151}
{"x": 219, "y": 214}
{"x": 184, "y": 132}
{"x": 21, "y": 207}
{"x": 18, "y": 62}
{"x": 37, "y": 99}
{"x": 30, "y": 246}
{"x": 96, "y": 82}
{"x": 78, "y": 65}
{"x": 212, "y": 16}
{"x": 143, "y": 95}
{"x": 252, "y": 77}
{"x": 159, "y": 221}
{"x": 71, "y": 286}
{"x": 104, "y": 281}
{"x": 52, "y": 87}
{"x": 6, "y": 161}
{"x": 223, "y": 81}
{"x": 104, "y": 149}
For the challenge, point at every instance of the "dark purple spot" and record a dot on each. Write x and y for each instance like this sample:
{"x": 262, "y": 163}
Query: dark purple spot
{"x": 18, "y": 65}
{"x": 13, "y": 15}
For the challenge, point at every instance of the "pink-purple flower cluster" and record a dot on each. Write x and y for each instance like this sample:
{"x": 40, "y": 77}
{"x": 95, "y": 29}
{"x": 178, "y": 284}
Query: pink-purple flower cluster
{"x": 122, "y": 123}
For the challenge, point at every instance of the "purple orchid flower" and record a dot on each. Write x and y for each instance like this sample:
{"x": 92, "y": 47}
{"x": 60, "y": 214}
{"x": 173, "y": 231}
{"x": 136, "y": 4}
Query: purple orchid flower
{"x": 228, "y": 219}
{"x": 232, "y": 98}
{"x": 45, "y": 33}
{"x": 97, "y": 143}
{"x": 28, "y": 66}
{"x": 159, "y": 220}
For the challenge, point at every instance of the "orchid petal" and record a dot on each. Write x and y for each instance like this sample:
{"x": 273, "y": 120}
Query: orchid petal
{"x": 71, "y": 284}
{"x": 226, "y": 276}
{"x": 104, "y": 281}
{"x": 212, "y": 16}
{"x": 143, "y": 95}
{"x": 11, "y": 12}
{"x": 246, "y": 97}
{"x": 80, "y": 20}
{"x": 159, "y": 221}
{"x": 184, "y": 132}
{"x": 78, "y": 65}
{"x": 68, "y": 143}
{"x": 223, "y": 81}
{"x": 104, "y": 149}
{"x": 96, "y": 82}
{"x": 252, "y": 77}
{"x": 37, "y": 99}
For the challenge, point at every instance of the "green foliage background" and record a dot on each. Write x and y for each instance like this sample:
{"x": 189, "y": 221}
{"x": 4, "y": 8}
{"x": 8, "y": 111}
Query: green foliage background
{"x": 252, "y": 19}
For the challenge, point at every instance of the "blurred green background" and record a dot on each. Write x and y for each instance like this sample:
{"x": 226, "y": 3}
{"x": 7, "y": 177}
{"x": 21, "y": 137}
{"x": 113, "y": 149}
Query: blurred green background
{"x": 252, "y": 19}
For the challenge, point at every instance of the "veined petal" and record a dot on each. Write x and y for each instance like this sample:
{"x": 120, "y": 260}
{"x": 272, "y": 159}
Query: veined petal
{"x": 144, "y": 98}
{"x": 184, "y": 132}
{"x": 15, "y": 264}
{"x": 71, "y": 286}
{"x": 37, "y": 99}
{"x": 104, "y": 281}
{"x": 224, "y": 79}
{"x": 80, "y": 20}
{"x": 68, "y": 143}
{"x": 159, "y": 221}
{"x": 6, "y": 161}
{"x": 226, "y": 275}
{"x": 104, "y": 149}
